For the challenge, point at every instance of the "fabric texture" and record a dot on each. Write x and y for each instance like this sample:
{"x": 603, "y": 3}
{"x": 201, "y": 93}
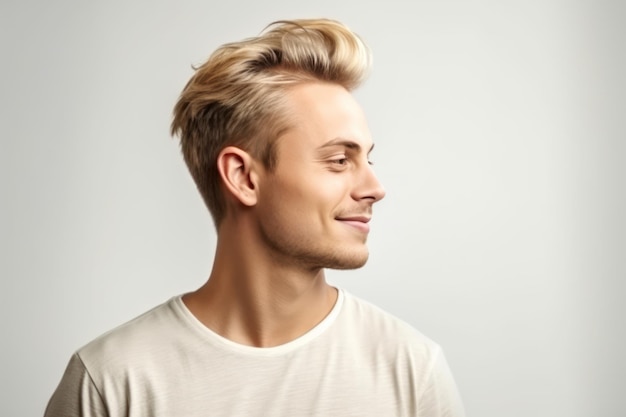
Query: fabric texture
{"x": 359, "y": 361}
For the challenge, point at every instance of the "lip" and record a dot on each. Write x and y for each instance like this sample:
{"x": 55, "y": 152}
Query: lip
{"x": 358, "y": 222}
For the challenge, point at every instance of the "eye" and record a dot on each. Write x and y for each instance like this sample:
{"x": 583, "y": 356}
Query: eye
{"x": 339, "y": 160}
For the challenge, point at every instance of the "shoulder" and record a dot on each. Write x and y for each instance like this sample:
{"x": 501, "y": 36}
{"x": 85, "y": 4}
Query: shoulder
{"x": 387, "y": 331}
{"x": 134, "y": 339}
{"x": 122, "y": 359}
{"x": 399, "y": 353}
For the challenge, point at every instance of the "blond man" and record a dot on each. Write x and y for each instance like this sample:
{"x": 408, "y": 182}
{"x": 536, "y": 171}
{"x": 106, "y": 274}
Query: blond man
{"x": 279, "y": 150}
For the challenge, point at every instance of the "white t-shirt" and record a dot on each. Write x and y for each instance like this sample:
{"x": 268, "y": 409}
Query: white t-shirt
{"x": 359, "y": 361}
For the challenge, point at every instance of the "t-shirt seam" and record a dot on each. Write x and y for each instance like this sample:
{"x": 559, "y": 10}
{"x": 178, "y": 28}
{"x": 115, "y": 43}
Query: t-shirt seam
{"x": 225, "y": 344}
{"x": 430, "y": 371}
{"x": 93, "y": 382}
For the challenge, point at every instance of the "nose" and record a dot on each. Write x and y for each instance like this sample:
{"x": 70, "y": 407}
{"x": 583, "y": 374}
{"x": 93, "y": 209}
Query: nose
{"x": 368, "y": 186}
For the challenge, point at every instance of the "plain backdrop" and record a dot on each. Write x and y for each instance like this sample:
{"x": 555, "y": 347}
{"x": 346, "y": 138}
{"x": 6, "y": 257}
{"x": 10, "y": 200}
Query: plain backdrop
{"x": 500, "y": 138}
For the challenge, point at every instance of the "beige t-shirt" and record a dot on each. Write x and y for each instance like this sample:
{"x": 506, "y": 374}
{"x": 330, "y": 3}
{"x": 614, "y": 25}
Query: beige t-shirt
{"x": 359, "y": 361}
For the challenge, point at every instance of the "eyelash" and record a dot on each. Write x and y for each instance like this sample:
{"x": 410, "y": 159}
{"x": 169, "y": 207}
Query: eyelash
{"x": 344, "y": 161}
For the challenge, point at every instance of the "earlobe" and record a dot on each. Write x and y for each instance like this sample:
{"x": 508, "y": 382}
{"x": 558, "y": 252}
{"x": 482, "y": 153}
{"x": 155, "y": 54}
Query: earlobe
{"x": 236, "y": 170}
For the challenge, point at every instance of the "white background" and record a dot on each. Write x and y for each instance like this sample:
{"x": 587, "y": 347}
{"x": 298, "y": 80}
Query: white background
{"x": 500, "y": 139}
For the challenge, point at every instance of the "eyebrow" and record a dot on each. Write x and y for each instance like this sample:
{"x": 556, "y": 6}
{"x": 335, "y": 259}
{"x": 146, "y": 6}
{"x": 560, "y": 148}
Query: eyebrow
{"x": 350, "y": 144}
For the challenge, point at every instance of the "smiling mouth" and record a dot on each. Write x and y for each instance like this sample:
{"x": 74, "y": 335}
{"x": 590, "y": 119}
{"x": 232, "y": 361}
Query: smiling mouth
{"x": 359, "y": 223}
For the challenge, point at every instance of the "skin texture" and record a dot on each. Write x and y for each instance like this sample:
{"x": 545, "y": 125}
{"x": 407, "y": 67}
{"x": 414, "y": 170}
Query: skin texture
{"x": 284, "y": 226}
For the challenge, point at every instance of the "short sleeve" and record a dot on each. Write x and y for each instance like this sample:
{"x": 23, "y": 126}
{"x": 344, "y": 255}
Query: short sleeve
{"x": 76, "y": 395}
{"x": 441, "y": 397}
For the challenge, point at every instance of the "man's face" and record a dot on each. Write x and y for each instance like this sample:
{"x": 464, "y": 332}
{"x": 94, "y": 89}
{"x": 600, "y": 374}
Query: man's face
{"x": 314, "y": 207}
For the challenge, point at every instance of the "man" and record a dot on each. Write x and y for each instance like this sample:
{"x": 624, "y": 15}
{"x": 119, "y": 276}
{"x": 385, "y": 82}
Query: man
{"x": 279, "y": 150}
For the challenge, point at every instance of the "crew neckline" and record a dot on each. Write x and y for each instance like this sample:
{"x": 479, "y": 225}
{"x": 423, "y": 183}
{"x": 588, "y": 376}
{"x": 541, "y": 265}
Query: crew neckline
{"x": 218, "y": 340}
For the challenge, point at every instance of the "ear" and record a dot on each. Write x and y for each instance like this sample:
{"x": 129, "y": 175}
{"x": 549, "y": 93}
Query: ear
{"x": 236, "y": 168}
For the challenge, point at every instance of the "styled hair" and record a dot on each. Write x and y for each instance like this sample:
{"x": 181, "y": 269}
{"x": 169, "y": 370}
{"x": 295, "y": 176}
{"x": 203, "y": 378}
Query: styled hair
{"x": 237, "y": 97}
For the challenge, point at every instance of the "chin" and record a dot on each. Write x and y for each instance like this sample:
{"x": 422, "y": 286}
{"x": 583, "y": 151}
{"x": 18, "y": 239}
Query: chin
{"x": 348, "y": 260}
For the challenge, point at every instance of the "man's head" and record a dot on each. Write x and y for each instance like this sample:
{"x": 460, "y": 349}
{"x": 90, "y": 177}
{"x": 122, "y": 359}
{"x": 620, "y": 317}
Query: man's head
{"x": 239, "y": 96}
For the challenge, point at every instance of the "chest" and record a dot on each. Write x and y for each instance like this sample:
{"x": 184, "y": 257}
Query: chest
{"x": 310, "y": 385}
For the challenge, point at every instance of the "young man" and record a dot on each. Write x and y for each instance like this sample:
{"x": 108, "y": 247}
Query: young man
{"x": 279, "y": 150}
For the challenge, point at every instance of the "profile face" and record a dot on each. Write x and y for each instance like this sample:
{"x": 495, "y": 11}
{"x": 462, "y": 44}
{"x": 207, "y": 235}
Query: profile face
{"x": 314, "y": 208}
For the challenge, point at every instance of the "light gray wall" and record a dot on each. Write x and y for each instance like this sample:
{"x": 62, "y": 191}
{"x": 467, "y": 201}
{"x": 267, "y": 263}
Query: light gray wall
{"x": 500, "y": 139}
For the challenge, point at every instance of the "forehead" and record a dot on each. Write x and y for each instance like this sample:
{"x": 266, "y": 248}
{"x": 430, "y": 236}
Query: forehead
{"x": 323, "y": 112}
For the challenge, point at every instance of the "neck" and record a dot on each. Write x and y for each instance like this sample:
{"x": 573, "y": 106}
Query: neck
{"x": 252, "y": 299}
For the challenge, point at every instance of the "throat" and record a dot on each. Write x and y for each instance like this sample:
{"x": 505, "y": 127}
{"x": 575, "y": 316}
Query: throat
{"x": 260, "y": 318}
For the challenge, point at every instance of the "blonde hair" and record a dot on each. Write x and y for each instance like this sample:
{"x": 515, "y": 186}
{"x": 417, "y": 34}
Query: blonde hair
{"x": 237, "y": 97}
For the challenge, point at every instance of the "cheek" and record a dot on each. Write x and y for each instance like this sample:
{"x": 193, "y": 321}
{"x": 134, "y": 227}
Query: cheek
{"x": 310, "y": 194}
{"x": 297, "y": 210}
{"x": 284, "y": 202}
